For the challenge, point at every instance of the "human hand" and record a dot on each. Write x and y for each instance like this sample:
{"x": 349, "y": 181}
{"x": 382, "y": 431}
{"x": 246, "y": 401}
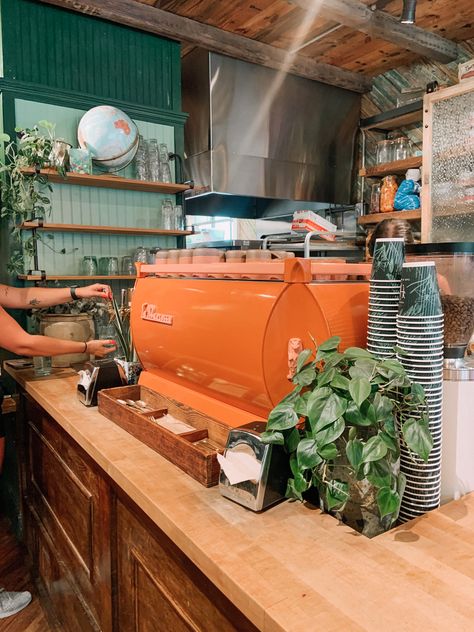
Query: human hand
{"x": 97, "y": 290}
{"x": 101, "y": 348}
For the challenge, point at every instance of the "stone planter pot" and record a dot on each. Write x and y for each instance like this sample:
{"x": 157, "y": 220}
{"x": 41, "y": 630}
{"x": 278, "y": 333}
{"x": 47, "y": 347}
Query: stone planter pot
{"x": 77, "y": 327}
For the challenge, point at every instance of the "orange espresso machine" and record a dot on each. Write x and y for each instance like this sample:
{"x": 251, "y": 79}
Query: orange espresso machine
{"x": 216, "y": 336}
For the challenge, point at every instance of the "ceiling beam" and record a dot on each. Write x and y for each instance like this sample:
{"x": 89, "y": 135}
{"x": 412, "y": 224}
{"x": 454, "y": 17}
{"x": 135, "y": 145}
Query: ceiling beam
{"x": 381, "y": 25}
{"x": 166, "y": 24}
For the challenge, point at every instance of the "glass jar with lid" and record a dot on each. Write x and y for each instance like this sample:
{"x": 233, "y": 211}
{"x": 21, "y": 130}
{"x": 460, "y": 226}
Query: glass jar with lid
{"x": 387, "y": 194}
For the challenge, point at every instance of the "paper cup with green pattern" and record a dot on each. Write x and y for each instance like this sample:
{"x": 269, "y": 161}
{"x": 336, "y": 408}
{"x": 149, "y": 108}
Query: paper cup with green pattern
{"x": 389, "y": 255}
{"x": 419, "y": 293}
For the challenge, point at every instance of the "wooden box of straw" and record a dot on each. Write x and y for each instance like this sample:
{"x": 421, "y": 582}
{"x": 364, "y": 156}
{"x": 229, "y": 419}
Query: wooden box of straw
{"x": 184, "y": 436}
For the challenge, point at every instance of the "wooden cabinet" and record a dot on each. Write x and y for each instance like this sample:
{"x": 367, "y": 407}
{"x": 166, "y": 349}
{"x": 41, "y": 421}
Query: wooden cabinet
{"x": 103, "y": 565}
{"x": 68, "y": 505}
{"x": 160, "y": 589}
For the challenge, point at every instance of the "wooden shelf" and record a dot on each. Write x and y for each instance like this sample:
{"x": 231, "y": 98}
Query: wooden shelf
{"x": 119, "y": 230}
{"x": 375, "y": 218}
{"x": 389, "y": 168}
{"x": 80, "y": 277}
{"x": 398, "y": 117}
{"x": 109, "y": 182}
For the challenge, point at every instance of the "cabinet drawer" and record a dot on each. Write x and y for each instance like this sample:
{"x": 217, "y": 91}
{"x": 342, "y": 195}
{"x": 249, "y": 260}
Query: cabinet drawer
{"x": 160, "y": 589}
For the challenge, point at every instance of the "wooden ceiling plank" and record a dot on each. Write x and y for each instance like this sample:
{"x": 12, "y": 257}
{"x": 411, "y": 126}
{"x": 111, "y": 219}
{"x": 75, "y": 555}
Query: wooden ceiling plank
{"x": 153, "y": 20}
{"x": 384, "y": 26}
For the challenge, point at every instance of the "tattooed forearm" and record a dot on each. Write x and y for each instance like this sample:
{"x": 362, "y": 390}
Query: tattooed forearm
{"x": 34, "y": 302}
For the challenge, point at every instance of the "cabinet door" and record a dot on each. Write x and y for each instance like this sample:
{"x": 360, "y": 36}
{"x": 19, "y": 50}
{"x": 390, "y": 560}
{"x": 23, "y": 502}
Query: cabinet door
{"x": 160, "y": 589}
{"x": 72, "y": 503}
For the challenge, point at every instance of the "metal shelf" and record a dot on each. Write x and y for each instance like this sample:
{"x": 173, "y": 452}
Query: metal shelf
{"x": 392, "y": 119}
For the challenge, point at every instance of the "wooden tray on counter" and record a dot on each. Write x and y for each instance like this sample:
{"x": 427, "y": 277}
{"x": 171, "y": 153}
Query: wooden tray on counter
{"x": 194, "y": 452}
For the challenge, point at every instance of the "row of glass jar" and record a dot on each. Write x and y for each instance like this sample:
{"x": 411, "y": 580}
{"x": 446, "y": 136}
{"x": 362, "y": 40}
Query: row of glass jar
{"x": 152, "y": 161}
{"x": 394, "y": 149}
{"x": 113, "y": 266}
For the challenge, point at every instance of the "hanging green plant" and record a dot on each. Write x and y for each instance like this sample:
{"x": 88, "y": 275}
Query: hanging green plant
{"x": 25, "y": 196}
{"x": 342, "y": 426}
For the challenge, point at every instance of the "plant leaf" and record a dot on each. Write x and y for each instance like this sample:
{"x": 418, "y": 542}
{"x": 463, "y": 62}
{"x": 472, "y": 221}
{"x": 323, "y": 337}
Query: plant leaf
{"x": 379, "y": 473}
{"x": 337, "y": 494}
{"x": 418, "y": 437}
{"x": 391, "y": 443}
{"x": 356, "y": 416}
{"x": 374, "y": 449}
{"x": 302, "y": 357}
{"x": 282, "y": 417}
{"x": 354, "y": 452}
{"x": 306, "y": 376}
{"x": 332, "y": 360}
{"x": 324, "y": 411}
{"x": 330, "y": 433}
{"x": 353, "y": 353}
{"x": 301, "y": 484}
{"x": 325, "y": 377}
{"x": 401, "y": 484}
{"x": 275, "y": 438}
{"x": 360, "y": 389}
{"x": 291, "y": 491}
{"x": 331, "y": 344}
{"x": 307, "y": 454}
{"x": 383, "y": 407}
{"x": 328, "y": 452}
{"x": 301, "y": 405}
{"x": 292, "y": 439}
{"x": 388, "y": 501}
{"x": 340, "y": 381}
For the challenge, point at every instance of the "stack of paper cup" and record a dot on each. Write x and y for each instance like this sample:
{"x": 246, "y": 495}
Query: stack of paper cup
{"x": 384, "y": 296}
{"x": 420, "y": 338}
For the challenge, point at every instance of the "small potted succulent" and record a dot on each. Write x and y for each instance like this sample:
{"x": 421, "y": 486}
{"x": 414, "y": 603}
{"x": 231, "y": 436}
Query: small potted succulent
{"x": 342, "y": 426}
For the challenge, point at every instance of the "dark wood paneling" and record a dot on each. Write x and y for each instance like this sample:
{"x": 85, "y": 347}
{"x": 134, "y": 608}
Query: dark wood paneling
{"x": 160, "y": 589}
{"x": 71, "y": 502}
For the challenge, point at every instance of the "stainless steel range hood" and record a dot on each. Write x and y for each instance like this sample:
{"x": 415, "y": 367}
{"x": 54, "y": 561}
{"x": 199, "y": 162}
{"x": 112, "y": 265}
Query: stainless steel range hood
{"x": 255, "y": 134}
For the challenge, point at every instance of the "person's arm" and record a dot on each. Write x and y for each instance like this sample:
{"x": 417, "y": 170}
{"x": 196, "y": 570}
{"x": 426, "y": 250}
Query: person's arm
{"x": 38, "y": 297}
{"x": 16, "y": 340}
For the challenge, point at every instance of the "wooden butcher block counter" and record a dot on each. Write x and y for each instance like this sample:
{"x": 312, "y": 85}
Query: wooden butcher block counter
{"x": 123, "y": 540}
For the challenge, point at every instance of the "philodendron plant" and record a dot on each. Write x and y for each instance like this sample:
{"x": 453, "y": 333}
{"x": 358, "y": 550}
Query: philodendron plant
{"x": 342, "y": 426}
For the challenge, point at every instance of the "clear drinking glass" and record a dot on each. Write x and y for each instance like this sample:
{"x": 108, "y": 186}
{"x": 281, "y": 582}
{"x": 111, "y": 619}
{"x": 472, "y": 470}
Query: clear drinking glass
{"x": 141, "y": 160}
{"x": 113, "y": 266}
{"x": 154, "y": 160}
{"x": 165, "y": 169}
{"x": 42, "y": 365}
{"x": 104, "y": 266}
{"x": 127, "y": 265}
{"x": 178, "y": 217}
{"x": 167, "y": 215}
{"x": 89, "y": 266}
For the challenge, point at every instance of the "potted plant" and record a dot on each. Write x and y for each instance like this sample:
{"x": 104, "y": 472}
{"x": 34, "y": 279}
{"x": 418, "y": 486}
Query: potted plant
{"x": 25, "y": 196}
{"x": 342, "y": 426}
{"x": 128, "y": 362}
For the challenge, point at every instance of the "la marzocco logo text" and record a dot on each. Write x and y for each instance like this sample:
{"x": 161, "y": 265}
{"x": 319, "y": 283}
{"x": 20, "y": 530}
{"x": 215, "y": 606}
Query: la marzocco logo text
{"x": 149, "y": 312}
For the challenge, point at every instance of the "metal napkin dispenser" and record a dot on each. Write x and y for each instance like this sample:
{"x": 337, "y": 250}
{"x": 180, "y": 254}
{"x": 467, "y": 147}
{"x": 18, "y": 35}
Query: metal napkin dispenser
{"x": 95, "y": 376}
{"x": 247, "y": 456}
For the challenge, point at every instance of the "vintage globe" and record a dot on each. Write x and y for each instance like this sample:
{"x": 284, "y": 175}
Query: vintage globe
{"x": 109, "y": 135}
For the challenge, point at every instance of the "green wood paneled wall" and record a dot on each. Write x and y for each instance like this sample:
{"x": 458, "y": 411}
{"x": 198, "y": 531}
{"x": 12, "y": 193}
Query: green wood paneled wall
{"x": 69, "y": 51}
